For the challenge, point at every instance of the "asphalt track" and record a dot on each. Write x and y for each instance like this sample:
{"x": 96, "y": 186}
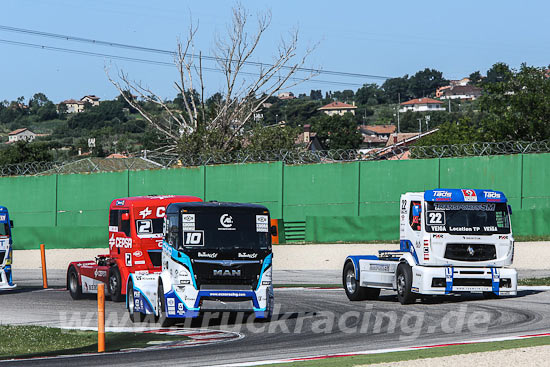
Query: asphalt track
{"x": 308, "y": 322}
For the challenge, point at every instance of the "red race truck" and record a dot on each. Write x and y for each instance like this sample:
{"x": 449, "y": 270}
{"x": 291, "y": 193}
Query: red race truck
{"x": 135, "y": 246}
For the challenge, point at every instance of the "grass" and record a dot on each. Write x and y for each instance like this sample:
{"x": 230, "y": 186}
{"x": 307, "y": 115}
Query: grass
{"x": 423, "y": 353}
{"x": 34, "y": 341}
{"x": 531, "y": 238}
{"x": 534, "y": 281}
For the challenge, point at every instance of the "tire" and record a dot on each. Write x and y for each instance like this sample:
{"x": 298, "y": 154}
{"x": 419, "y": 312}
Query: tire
{"x": 75, "y": 289}
{"x": 353, "y": 290}
{"x": 134, "y": 316}
{"x": 115, "y": 285}
{"x": 490, "y": 295}
{"x": 162, "y": 319}
{"x": 403, "y": 279}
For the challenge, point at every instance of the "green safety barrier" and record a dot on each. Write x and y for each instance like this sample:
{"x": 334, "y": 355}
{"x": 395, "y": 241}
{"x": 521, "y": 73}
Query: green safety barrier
{"x": 296, "y": 194}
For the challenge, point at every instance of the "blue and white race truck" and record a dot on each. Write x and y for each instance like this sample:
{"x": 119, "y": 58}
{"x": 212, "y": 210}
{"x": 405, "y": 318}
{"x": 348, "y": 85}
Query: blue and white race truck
{"x": 5, "y": 249}
{"x": 451, "y": 241}
{"x": 215, "y": 257}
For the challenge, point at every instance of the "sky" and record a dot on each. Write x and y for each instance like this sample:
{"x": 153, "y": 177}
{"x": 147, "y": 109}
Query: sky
{"x": 375, "y": 39}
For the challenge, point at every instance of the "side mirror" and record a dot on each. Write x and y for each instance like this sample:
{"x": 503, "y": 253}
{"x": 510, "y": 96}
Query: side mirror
{"x": 273, "y": 230}
{"x": 11, "y": 223}
{"x": 125, "y": 216}
{"x": 510, "y": 209}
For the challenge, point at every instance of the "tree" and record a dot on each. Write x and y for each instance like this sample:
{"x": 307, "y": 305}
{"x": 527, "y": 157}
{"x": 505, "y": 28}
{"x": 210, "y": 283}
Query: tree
{"x": 22, "y": 152}
{"x": 395, "y": 87}
{"x": 425, "y": 82}
{"x": 369, "y": 94}
{"x": 338, "y": 132}
{"x": 316, "y": 94}
{"x": 273, "y": 138}
{"x": 499, "y": 72}
{"x": 475, "y": 78}
{"x": 517, "y": 106}
{"x": 221, "y": 125}
{"x": 450, "y": 133}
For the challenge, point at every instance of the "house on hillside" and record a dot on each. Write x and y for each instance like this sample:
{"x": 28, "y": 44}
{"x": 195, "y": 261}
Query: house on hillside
{"x": 91, "y": 99}
{"x": 74, "y": 106}
{"x": 286, "y": 95}
{"x": 338, "y": 108}
{"x": 23, "y": 134}
{"x": 397, "y": 146}
{"x": 462, "y": 92}
{"x": 376, "y": 135}
{"x": 308, "y": 139}
{"x": 422, "y": 105}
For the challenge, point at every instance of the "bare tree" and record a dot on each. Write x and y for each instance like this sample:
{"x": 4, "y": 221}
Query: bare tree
{"x": 247, "y": 84}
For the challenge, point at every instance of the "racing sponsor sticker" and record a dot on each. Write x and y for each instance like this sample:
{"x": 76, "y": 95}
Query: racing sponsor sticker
{"x": 226, "y": 221}
{"x": 261, "y": 223}
{"x": 128, "y": 259}
{"x": 119, "y": 202}
{"x": 469, "y": 195}
{"x": 188, "y": 222}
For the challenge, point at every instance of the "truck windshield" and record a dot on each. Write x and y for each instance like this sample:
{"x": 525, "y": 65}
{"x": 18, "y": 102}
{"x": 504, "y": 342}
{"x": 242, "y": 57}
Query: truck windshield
{"x": 225, "y": 228}
{"x": 467, "y": 218}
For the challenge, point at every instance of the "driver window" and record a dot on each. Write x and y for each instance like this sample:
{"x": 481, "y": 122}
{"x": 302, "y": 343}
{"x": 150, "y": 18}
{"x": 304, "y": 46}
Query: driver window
{"x": 414, "y": 215}
{"x": 172, "y": 230}
{"x": 124, "y": 225}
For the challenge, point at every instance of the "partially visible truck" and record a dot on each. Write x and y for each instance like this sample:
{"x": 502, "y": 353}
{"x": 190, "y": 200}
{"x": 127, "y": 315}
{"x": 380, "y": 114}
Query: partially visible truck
{"x": 6, "y": 251}
{"x": 215, "y": 257}
{"x": 135, "y": 246}
{"x": 451, "y": 241}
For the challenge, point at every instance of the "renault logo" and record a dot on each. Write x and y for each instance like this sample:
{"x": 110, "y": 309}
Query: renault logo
{"x": 471, "y": 251}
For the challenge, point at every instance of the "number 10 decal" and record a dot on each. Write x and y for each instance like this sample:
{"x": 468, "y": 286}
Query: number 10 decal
{"x": 193, "y": 238}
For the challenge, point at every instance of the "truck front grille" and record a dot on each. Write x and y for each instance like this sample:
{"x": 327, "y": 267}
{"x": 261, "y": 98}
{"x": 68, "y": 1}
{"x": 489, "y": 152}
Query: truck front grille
{"x": 470, "y": 252}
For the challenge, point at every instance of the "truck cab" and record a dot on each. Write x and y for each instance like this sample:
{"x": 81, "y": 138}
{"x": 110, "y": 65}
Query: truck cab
{"x": 135, "y": 230}
{"x": 6, "y": 252}
{"x": 215, "y": 257}
{"x": 451, "y": 241}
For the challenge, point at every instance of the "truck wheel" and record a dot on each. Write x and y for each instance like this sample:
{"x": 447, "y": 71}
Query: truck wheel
{"x": 490, "y": 295}
{"x": 403, "y": 278}
{"x": 72, "y": 283}
{"x": 115, "y": 285}
{"x": 352, "y": 288}
{"x": 134, "y": 316}
{"x": 163, "y": 320}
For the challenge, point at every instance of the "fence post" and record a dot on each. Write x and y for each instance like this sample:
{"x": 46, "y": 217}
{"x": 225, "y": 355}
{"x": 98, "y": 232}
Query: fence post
{"x": 101, "y": 318}
{"x": 44, "y": 271}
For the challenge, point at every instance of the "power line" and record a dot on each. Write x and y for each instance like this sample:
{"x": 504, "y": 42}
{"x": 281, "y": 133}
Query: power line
{"x": 153, "y": 62}
{"x": 172, "y": 53}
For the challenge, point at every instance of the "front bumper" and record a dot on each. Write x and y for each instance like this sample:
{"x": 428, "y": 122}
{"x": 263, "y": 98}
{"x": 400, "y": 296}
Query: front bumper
{"x": 447, "y": 280}
{"x": 5, "y": 278}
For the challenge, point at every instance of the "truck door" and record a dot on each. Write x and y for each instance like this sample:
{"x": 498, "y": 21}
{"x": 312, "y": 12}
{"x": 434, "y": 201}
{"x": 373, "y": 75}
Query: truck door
{"x": 415, "y": 224}
{"x": 120, "y": 238}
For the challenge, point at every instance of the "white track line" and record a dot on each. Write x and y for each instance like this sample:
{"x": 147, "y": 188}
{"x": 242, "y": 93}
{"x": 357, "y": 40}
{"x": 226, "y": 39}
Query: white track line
{"x": 380, "y": 351}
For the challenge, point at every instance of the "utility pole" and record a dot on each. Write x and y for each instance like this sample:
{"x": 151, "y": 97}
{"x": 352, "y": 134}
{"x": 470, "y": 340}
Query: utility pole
{"x": 449, "y": 105}
{"x": 419, "y": 126}
{"x": 427, "y": 122}
{"x": 398, "y": 106}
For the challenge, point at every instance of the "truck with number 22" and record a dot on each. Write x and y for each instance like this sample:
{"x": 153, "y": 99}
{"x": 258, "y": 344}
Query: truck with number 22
{"x": 451, "y": 241}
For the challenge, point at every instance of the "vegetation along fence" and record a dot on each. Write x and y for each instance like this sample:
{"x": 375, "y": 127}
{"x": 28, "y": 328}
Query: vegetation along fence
{"x": 345, "y": 201}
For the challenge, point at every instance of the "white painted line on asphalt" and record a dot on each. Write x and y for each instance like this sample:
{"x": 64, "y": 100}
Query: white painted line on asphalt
{"x": 379, "y": 351}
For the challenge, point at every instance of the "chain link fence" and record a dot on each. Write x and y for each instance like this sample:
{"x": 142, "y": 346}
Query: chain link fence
{"x": 155, "y": 160}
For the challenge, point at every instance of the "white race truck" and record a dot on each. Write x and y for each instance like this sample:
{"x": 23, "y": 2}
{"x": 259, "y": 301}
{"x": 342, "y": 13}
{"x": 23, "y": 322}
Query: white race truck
{"x": 215, "y": 257}
{"x": 451, "y": 241}
{"x": 6, "y": 251}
